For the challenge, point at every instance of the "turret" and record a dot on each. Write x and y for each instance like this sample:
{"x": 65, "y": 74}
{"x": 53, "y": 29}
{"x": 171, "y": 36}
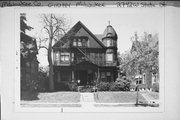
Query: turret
{"x": 110, "y": 41}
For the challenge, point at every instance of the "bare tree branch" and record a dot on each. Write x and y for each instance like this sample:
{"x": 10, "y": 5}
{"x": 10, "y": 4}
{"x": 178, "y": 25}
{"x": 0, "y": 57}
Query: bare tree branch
{"x": 48, "y": 31}
{"x": 53, "y": 26}
{"x": 46, "y": 19}
{"x": 42, "y": 47}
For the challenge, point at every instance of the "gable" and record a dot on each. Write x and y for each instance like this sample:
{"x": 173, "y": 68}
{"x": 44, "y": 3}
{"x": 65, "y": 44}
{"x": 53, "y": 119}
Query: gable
{"x": 80, "y": 30}
{"x": 92, "y": 42}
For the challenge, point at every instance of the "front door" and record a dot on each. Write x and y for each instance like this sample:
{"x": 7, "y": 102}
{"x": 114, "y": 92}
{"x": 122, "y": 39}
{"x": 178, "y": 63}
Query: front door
{"x": 83, "y": 78}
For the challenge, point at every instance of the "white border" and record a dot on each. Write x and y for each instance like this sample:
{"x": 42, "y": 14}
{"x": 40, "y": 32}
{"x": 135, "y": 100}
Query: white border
{"x": 18, "y": 107}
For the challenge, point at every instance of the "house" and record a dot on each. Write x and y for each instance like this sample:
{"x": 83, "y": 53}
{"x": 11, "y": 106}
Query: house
{"x": 147, "y": 73}
{"x": 28, "y": 59}
{"x": 83, "y": 57}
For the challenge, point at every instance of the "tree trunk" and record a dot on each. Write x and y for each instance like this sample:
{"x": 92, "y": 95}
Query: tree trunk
{"x": 51, "y": 80}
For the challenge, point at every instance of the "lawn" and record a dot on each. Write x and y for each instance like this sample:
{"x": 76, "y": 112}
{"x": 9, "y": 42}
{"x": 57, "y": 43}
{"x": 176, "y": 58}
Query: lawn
{"x": 54, "y": 97}
{"x": 117, "y": 97}
{"x": 155, "y": 95}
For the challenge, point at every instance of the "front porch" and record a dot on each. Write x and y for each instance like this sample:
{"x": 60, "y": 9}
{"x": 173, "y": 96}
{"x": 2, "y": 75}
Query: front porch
{"x": 85, "y": 74}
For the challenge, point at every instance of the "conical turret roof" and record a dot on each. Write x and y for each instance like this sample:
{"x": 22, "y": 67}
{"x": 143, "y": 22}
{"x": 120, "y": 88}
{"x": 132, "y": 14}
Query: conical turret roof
{"x": 110, "y": 32}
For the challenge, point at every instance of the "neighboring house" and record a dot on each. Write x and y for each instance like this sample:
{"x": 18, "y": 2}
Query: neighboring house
{"x": 83, "y": 56}
{"x": 145, "y": 81}
{"x": 29, "y": 62}
{"x": 147, "y": 76}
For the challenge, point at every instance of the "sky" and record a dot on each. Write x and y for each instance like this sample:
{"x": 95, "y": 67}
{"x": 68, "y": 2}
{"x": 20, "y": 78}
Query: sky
{"x": 125, "y": 21}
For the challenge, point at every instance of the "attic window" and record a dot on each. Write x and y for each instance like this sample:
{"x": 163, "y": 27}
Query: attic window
{"x": 74, "y": 42}
{"x": 84, "y": 42}
{"x": 79, "y": 42}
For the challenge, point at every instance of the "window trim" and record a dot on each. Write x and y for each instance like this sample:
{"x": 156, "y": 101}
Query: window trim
{"x": 74, "y": 42}
{"x": 108, "y": 55}
{"x": 64, "y": 57}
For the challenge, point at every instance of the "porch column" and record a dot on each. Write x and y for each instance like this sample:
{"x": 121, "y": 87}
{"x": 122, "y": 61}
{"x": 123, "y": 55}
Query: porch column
{"x": 72, "y": 75}
{"x": 59, "y": 76}
{"x": 98, "y": 74}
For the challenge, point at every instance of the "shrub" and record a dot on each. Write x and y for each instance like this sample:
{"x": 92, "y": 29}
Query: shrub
{"x": 43, "y": 79}
{"x": 62, "y": 86}
{"x": 155, "y": 87}
{"x": 114, "y": 86}
{"x": 73, "y": 86}
{"x": 103, "y": 86}
{"x": 120, "y": 85}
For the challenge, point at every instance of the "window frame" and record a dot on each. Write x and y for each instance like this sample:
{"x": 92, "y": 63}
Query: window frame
{"x": 107, "y": 57}
{"x": 79, "y": 42}
{"x": 74, "y": 42}
{"x": 64, "y": 57}
{"x": 109, "y": 42}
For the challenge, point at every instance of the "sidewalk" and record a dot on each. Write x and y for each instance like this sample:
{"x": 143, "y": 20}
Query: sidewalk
{"x": 149, "y": 98}
{"x": 87, "y": 99}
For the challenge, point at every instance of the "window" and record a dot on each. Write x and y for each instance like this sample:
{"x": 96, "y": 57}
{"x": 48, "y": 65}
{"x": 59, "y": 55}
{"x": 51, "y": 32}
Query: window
{"x": 103, "y": 75}
{"x": 79, "y": 42}
{"x": 84, "y": 43}
{"x": 74, "y": 42}
{"x": 108, "y": 73}
{"x": 57, "y": 56}
{"x": 140, "y": 81}
{"x": 109, "y": 57}
{"x": 109, "y": 42}
{"x": 65, "y": 57}
{"x": 72, "y": 56}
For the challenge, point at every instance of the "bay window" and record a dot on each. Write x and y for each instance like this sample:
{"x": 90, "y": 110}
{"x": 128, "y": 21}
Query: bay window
{"x": 65, "y": 57}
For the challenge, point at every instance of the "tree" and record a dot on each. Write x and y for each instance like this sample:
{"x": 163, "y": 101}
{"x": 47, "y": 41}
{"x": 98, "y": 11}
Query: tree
{"x": 143, "y": 55}
{"x": 54, "y": 28}
{"x": 23, "y": 25}
{"x": 27, "y": 48}
{"x": 28, "y": 52}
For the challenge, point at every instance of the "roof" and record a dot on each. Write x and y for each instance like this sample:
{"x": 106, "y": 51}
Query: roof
{"x": 110, "y": 32}
{"x": 73, "y": 31}
{"x": 99, "y": 36}
{"x": 152, "y": 42}
{"x": 87, "y": 62}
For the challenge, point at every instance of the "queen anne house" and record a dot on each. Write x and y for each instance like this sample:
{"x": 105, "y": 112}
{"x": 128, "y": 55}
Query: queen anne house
{"x": 147, "y": 75}
{"x": 83, "y": 57}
